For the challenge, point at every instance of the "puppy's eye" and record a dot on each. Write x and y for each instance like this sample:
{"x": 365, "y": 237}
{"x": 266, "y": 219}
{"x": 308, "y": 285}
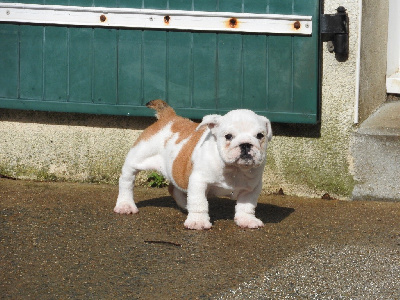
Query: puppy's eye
{"x": 260, "y": 135}
{"x": 228, "y": 137}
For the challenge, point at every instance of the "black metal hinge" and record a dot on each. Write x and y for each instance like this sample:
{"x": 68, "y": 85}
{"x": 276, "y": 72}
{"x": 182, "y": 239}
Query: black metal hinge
{"x": 334, "y": 29}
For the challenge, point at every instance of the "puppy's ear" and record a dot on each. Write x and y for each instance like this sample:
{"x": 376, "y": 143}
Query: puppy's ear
{"x": 268, "y": 126}
{"x": 211, "y": 121}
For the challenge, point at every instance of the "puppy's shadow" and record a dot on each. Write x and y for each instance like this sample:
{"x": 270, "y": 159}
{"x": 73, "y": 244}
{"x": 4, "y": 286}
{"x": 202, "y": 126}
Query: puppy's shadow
{"x": 224, "y": 209}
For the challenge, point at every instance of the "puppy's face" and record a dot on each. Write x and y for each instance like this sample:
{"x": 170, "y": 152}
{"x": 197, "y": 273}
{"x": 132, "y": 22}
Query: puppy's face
{"x": 242, "y": 137}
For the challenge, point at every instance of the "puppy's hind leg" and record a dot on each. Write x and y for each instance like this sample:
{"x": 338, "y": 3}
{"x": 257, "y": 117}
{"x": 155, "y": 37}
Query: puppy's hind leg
{"x": 125, "y": 203}
{"x": 138, "y": 159}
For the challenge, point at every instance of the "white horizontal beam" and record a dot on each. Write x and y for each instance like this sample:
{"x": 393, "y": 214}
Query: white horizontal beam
{"x": 155, "y": 19}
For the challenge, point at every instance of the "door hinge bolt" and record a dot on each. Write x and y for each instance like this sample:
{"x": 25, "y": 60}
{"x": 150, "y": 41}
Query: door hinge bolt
{"x": 334, "y": 28}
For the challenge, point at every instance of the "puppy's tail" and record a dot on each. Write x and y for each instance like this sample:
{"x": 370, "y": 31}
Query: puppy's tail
{"x": 161, "y": 107}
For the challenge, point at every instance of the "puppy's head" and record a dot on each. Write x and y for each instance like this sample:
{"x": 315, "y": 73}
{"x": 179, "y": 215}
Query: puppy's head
{"x": 242, "y": 137}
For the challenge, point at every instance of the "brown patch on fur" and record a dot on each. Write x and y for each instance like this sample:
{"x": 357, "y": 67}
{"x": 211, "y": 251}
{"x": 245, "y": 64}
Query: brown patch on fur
{"x": 183, "y": 127}
{"x": 186, "y": 129}
{"x": 182, "y": 165}
{"x": 164, "y": 114}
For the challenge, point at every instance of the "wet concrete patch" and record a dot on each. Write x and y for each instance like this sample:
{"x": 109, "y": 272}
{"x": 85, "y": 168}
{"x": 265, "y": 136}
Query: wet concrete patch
{"x": 62, "y": 240}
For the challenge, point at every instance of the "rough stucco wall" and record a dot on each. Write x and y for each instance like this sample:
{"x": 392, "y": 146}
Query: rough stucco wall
{"x": 92, "y": 148}
{"x": 375, "y": 16}
{"x": 62, "y": 146}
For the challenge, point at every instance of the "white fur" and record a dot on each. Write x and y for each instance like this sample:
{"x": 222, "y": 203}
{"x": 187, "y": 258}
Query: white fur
{"x": 218, "y": 168}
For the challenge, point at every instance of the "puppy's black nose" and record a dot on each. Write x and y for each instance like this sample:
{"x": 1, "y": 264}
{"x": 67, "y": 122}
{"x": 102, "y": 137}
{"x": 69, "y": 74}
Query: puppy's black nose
{"x": 245, "y": 149}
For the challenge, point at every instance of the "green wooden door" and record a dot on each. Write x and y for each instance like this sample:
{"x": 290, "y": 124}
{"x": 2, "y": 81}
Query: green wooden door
{"x": 117, "y": 70}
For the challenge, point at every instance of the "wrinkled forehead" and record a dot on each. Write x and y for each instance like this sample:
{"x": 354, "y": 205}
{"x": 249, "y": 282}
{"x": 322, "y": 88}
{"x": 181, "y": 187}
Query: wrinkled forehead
{"x": 242, "y": 121}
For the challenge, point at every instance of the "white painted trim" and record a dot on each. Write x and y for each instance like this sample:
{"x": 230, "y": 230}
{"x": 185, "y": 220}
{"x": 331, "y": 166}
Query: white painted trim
{"x": 393, "y": 52}
{"x": 155, "y": 19}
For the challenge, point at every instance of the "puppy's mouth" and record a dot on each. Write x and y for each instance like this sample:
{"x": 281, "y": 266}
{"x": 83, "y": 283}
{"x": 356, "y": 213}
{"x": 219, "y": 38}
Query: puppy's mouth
{"x": 246, "y": 157}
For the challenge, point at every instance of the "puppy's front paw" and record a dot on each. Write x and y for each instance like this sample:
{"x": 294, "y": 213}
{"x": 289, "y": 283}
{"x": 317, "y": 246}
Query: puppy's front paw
{"x": 198, "y": 221}
{"x": 248, "y": 221}
{"x": 126, "y": 208}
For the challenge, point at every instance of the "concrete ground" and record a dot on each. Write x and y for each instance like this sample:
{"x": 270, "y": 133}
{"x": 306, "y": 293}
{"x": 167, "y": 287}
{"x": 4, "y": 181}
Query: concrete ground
{"x": 63, "y": 241}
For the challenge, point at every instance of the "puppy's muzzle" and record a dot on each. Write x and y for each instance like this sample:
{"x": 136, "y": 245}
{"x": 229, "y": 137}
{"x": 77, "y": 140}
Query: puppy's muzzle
{"x": 245, "y": 151}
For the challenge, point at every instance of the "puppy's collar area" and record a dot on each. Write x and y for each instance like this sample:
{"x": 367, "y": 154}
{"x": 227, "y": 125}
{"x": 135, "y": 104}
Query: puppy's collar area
{"x": 234, "y": 171}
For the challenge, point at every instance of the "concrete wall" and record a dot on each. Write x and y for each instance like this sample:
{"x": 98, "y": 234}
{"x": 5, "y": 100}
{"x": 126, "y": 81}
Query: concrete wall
{"x": 303, "y": 160}
{"x": 374, "y": 34}
{"x": 63, "y": 146}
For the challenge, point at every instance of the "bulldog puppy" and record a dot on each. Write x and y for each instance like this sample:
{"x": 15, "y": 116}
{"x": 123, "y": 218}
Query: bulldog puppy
{"x": 221, "y": 156}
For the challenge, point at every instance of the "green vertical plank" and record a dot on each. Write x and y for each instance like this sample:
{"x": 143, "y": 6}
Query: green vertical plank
{"x": 55, "y": 63}
{"x": 280, "y": 75}
{"x": 130, "y": 67}
{"x": 31, "y": 62}
{"x": 280, "y": 6}
{"x": 105, "y": 66}
{"x": 179, "y": 68}
{"x": 31, "y": 1}
{"x": 230, "y": 71}
{"x": 105, "y": 3}
{"x": 204, "y": 70}
{"x": 230, "y": 5}
{"x": 131, "y": 3}
{"x": 80, "y": 2}
{"x": 255, "y": 75}
{"x": 155, "y": 58}
{"x": 181, "y": 4}
{"x": 154, "y": 65}
{"x": 305, "y": 67}
{"x": 56, "y": 2}
{"x": 255, "y": 49}
{"x": 179, "y": 51}
{"x": 156, "y": 4}
{"x": 80, "y": 64}
{"x": 257, "y": 7}
{"x": 9, "y": 61}
{"x": 205, "y": 5}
